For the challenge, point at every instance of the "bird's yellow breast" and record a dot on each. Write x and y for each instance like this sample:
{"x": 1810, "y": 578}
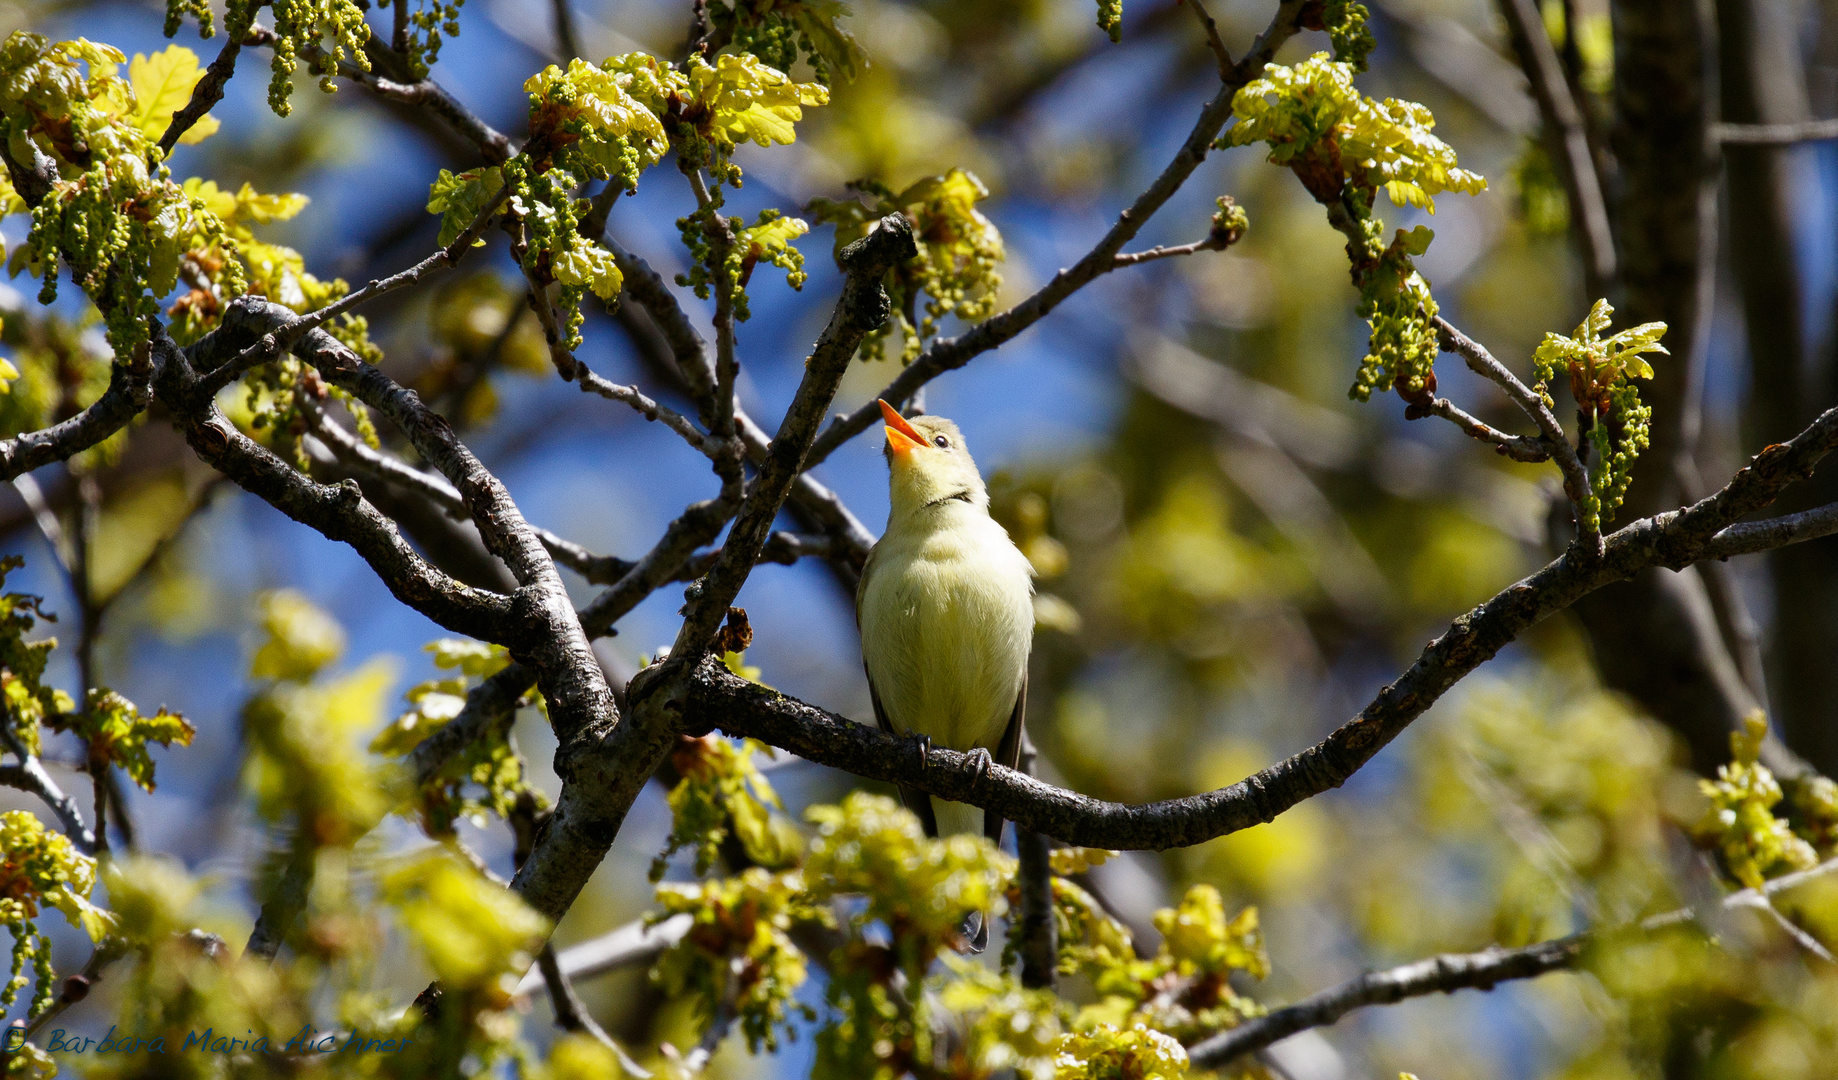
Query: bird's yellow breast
{"x": 947, "y": 622}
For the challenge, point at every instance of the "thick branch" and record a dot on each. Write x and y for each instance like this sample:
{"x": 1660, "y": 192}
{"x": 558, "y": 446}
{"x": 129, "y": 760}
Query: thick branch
{"x": 130, "y": 391}
{"x": 542, "y": 619}
{"x": 947, "y": 354}
{"x": 339, "y": 513}
{"x": 718, "y": 699}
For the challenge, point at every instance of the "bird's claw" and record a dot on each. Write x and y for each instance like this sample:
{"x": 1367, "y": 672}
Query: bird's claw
{"x": 980, "y": 762}
{"x": 923, "y": 743}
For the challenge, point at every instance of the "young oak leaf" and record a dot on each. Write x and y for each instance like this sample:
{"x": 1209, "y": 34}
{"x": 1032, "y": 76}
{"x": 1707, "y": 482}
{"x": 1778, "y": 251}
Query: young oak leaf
{"x": 118, "y": 734}
{"x": 162, "y": 86}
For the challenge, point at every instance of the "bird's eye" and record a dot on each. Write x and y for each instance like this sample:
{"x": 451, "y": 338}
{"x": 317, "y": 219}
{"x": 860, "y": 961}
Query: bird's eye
{"x": 941, "y": 442}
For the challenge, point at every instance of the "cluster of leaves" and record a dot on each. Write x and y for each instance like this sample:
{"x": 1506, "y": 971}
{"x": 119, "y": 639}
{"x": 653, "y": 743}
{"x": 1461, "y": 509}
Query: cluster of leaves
{"x": 1751, "y": 843}
{"x": 1183, "y": 991}
{"x": 958, "y": 252}
{"x": 115, "y": 733}
{"x": 39, "y": 867}
{"x": 114, "y": 215}
{"x": 721, "y": 792}
{"x": 477, "y": 935}
{"x": 471, "y": 933}
{"x": 488, "y": 765}
{"x": 1602, "y": 371}
{"x": 738, "y": 959}
{"x": 305, "y": 767}
{"x": 781, "y": 33}
{"x": 29, "y": 701}
{"x": 1344, "y": 147}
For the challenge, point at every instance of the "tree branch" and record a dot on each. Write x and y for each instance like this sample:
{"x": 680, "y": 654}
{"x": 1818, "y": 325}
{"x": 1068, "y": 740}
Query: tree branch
{"x": 208, "y": 92}
{"x": 130, "y": 391}
{"x": 1451, "y": 972}
{"x": 1564, "y": 121}
{"x": 30, "y": 775}
{"x": 716, "y": 698}
{"x": 1482, "y": 363}
{"x": 1774, "y": 134}
{"x": 946, "y": 354}
{"x": 339, "y": 513}
{"x": 862, "y": 307}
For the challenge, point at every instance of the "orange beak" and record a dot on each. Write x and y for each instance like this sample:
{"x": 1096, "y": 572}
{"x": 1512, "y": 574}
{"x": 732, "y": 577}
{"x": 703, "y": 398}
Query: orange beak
{"x": 902, "y": 437}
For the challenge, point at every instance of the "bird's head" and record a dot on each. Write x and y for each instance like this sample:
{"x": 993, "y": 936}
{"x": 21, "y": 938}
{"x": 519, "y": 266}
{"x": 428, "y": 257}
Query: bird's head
{"x": 929, "y": 464}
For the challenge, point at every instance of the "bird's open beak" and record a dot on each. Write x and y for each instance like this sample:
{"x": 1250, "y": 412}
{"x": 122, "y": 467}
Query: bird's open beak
{"x": 902, "y": 437}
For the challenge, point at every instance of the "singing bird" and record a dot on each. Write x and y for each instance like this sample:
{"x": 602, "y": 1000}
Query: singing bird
{"x": 946, "y": 611}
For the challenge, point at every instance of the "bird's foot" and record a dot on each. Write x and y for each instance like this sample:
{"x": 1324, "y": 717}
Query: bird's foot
{"x": 980, "y": 762}
{"x": 922, "y": 744}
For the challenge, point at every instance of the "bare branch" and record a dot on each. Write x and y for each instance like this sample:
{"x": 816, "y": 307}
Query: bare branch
{"x": 1438, "y": 974}
{"x": 1774, "y": 134}
{"x": 1132, "y": 258}
{"x": 570, "y": 1014}
{"x": 1463, "y": 971}
{"x": 862, "y": 307}
{"x": 649, "y": 409}
{"x": 1517, "y": 447}
{"x": 30, "y": 775}
{"x": 637, "y": 942}
{"x": 567, "y": 42}
{"x": 130, "y": 391}
{"x": 348, "y": 448}
{"x": 1482, "y": 363}
{"x": 1213, "y": 40}
{"x": 1564, "y": 120}
{"x": 1772, "y": 533}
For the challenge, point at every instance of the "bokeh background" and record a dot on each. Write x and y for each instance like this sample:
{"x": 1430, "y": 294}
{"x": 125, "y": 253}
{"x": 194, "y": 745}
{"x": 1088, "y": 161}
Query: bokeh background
{"x": 1233, "y": 556}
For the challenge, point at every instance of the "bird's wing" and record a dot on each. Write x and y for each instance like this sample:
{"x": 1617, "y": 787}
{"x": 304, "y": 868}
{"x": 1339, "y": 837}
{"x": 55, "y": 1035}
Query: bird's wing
{"x": 1008, "y": 754}
{"x": 915, "y": 800}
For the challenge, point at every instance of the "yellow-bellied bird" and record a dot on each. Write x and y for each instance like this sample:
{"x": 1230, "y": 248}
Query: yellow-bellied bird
{"x": 946, "y": 613}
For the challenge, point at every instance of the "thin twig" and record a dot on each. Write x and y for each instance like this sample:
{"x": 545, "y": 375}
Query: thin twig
{"x": 566, "y": 41}
{"x": 649, "y": 409}
{"x": 1213, "y": 40}
{"x": 1775, "y": 134}
{"x": 1517, "y": 447}
{"x": 1565, "y": 121}
{"x": 30, "y": 775}
{"x": 946, "y": 354}
{"x": 1450, "y": 972}
{"x": 1132, "y": 258}
{"x": 279, "y": 340}
{"x": 1576, "y": 477}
